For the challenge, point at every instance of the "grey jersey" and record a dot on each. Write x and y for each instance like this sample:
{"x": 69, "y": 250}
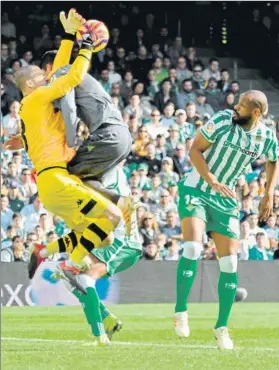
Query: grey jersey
{"x": 88, "y": 102}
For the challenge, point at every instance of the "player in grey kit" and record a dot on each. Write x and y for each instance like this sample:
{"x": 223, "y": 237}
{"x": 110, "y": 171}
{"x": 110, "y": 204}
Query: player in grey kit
{"x": 109, "y": 140}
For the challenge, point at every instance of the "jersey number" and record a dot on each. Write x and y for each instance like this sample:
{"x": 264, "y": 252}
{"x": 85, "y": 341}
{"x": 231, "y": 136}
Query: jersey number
{"x": 23, "y": 135}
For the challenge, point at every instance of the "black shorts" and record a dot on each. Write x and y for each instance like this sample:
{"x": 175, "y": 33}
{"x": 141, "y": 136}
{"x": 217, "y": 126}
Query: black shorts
{"x": 103, "y": 150}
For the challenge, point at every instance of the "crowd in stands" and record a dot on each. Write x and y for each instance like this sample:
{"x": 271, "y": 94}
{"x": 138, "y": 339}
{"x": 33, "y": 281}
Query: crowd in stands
{"x": 165, "y": 94}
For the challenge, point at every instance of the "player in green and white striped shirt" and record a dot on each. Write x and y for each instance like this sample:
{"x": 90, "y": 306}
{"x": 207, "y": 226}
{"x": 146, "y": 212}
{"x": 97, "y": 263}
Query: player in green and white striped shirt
{"x": 221, "y": 151}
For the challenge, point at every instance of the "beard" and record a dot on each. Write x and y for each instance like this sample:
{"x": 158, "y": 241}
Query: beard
{"x": 240, "y": 120}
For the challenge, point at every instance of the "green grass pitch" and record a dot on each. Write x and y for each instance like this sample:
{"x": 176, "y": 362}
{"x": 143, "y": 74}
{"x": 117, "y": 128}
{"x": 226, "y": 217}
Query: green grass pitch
{"x": 59, "y": 338}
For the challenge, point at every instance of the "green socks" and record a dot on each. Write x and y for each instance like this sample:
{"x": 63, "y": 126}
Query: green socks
{"x": 186, "y": 273}
{"x": 226, "y": 290}
{"x": 91, "y": 307}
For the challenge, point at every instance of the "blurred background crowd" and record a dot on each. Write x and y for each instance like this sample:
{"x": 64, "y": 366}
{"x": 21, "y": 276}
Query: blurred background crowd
{"x": 165, "y": 92}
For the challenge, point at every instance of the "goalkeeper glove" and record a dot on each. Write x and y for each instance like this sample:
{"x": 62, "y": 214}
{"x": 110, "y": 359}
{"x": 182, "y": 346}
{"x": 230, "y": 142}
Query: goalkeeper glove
{"x": 73, "y": 22}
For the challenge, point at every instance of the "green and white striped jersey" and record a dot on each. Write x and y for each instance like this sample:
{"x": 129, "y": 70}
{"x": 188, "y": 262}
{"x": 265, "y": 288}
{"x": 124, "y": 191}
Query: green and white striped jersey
{"x": 232, "y": 150}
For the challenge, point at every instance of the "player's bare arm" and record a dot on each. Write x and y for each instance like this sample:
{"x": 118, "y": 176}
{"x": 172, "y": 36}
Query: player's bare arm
{"x": 199, "y": 146}
{"x": 266, "y": 204}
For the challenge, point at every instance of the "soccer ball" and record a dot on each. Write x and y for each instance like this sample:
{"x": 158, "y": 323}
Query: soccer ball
{"x": 97, "y": 30}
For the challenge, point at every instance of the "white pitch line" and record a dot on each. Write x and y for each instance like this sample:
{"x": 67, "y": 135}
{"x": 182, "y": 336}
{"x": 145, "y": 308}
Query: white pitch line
{"x": 138, "y": 344}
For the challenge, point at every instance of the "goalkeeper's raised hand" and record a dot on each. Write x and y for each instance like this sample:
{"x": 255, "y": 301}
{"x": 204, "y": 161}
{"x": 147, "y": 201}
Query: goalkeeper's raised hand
{"x": 72, "y": 22}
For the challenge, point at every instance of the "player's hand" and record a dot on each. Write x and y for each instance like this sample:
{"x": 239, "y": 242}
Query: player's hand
{"x": 14, "y": 143}
{"x": 73, "y": 22}
{"x": 221, "y": 188}
{"x": 265, "y": 207}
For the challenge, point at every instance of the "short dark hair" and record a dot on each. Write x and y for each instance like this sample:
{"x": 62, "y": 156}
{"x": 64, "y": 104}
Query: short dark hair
{"x": 213, "y": 60}
{"x": 15, "y": 237}
{"x": 43, "y": 214}
{"x": 48, "y": 58}
{"x": 224, "y": 70}
{"x": 260, "y": 234}
{"x": 235, "y": 82}
{"x": 16, "y": 215}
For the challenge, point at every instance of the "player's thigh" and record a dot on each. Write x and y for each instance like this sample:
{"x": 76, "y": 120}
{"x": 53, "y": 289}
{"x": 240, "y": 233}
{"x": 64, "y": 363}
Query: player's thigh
{"x": 193, "y": 214}
{"x": 223, "y": 223}
{"x": 66, "y": 196}
{"x": 225, "y": 245}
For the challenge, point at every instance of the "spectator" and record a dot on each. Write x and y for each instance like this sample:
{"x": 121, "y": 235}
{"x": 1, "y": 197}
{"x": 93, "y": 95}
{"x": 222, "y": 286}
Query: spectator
{"x": 247, "y": 206}
{"x": 180, "y": 160}
{"x": 182, "y": 72}
{"x": 115, "y": 93}
{"x": 212, "y": 94}
{"x": 186, "y": 95}
{"x": 253, "y": 220}
{"x": 152, "y": 86}
{"x": 26, "y": 187}
{"x": 120, "y": 60}
{"x": 167, "y": 174}
{"x": 133, "y": 126}
{"x": 43, "y": 42}
{"x": 146, "y": 197}
{"x": 174, "y": 81}
{"x": 12, "y": 176}
{"x": 56, "y": 42}
{"x": 143, "y": 178}
{"x": 113, "y": 77}
{"x": 6, "y": 100}
{"x": 11, "y": 122}
{"x": 148, "y": 228}
{"x": 134, "y": 109}
{"x": 166, "y": 204}
{"x": 28, "y": 57}
{"x": 161, "y": 150}
{"x": 16, "y": 201}
{"x": 260, "y": 251}
{"x": 126, "y": 86}
{"x": 15, "y": 65}
{"x": 46, "y": 223}
{"x": 13, "y": 49}
{"x": 173, "y": 190}
{"x": 203, "y": 109}
{"x": 160, "y": 72}
{"x": 15, "y": 253}
{"x": 155, "y": 127}
{"x": 151, "y": 252}
{"x": 10, "y": 87}
{"x": 18, "y": 225}
{"x": 31, "y": 214}
{"x": 171, "y": 229}
{"x": 156, "y": 187}
{"x": 173, "y": 140}
{"x": 142, "y": 64}
{"x": 191, "y": 58}
{"x": 229, "y": 101}
{"x": 7, "y": 240}
{"x": 176, "y": 51}
{"x": 104, "y": 80}
{"x": 164, "y": 96}
{"x": 115, "y": 41}
{"x": 235, "y": 89}
{"x": 152, "y": 162}
{"x": 142, "y": 142}
{"x": 186, "y": 129}
{"x": 41, "y": 236}
{"x": 5, "y": 58}
{"x": 6, "y": 213}
{"x": 271, "y": 229}
{"x": 156, "y": 53}
{"x": 166, "y": 63}
{"x": 163, "y": 39}
{"x": 192, "y": 116}
{"x": 246, "y": 240}
{"x": 197, "y": 79}
{"x": 138, "y": 89}
{"x": 224, "y": 84}
{"x": 212, "y": 71}
{"x": 167, "y": 119}
{"x": 8, "y": 29}
{"x": 172, "y": 251}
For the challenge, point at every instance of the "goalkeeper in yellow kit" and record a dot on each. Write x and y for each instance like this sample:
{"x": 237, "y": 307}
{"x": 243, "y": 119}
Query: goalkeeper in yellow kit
{"x": 90, "y": 215}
